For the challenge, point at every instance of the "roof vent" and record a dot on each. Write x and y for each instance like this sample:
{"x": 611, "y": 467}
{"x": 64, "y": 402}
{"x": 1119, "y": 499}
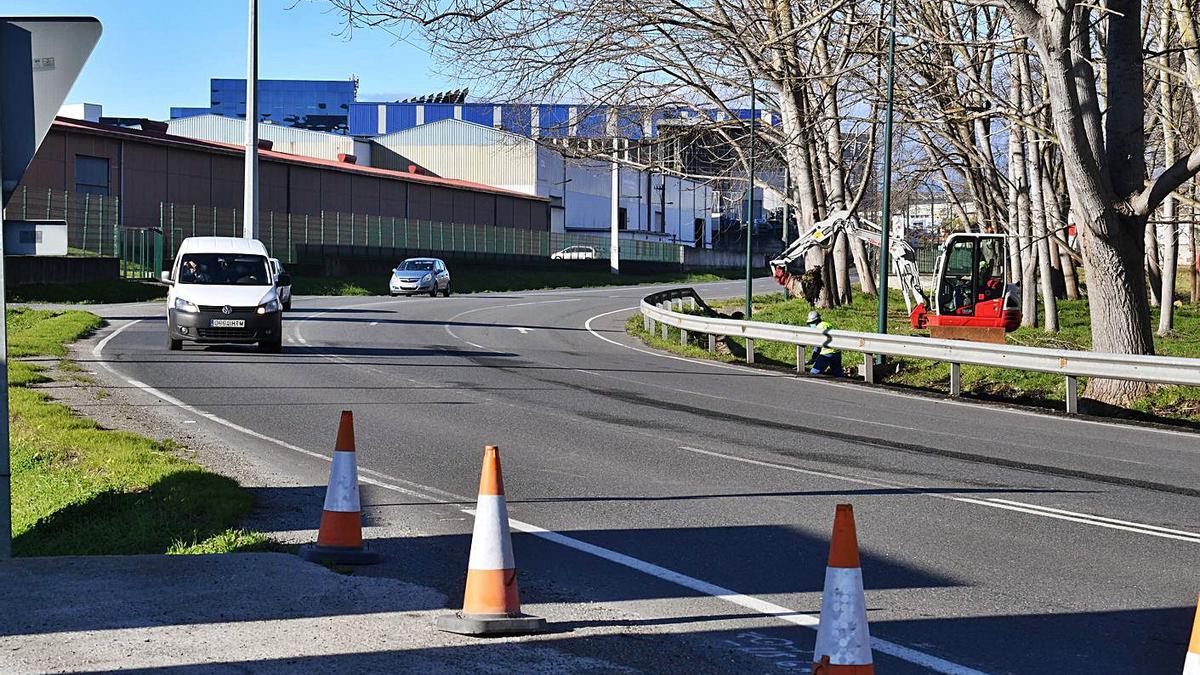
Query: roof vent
{"x": 347, "y": 158}
{"x": 413, "y": 168}
{"x": 264, "y": 144}
{"x": 154, "y": 126}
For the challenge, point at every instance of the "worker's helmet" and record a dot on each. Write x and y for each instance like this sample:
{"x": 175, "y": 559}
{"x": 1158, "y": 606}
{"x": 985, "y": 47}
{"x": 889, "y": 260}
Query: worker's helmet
{"x": 813, "y": 317}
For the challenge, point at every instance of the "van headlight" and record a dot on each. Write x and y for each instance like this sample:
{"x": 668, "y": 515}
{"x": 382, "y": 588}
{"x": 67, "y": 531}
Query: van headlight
{"x": 268, "y": 307}
{"x": 182, "y": 305}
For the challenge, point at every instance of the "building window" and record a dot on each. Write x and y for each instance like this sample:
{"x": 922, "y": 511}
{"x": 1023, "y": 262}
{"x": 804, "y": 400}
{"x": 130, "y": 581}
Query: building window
{"x": 91, "y": 175}
{"x": 622, "y": 218}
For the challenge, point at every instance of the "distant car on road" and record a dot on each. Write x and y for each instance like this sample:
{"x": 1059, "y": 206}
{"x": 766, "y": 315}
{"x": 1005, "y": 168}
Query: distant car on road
{"x": 285, "y": 290}
{"x": 575, "y": 253}
{"x": 420, "y": 275}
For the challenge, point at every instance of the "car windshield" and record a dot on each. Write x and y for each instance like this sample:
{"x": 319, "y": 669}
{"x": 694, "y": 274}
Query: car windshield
{"x": 416, "y": 266}
{"x": 224, "y": 269}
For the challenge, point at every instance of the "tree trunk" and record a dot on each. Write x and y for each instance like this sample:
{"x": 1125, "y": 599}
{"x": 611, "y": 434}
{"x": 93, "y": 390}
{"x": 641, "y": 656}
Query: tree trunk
{"x": 1170, "y": 244}
{"x": 1038, "y": 211}
{"x": 1153, "y": 270}
{"x": 841, "y": 257}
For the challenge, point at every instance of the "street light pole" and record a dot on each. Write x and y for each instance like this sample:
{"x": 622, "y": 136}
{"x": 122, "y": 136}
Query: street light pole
{"x": 250, "y": 194}
{"x": 750, "y": 204}
{"x": 886, "y": 216}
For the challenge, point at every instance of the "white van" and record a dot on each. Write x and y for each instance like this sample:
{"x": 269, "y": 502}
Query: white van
{"x": 224, "y": 290}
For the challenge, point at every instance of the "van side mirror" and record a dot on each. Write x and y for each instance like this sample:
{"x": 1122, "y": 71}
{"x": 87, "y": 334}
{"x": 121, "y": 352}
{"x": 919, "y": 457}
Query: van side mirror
{"x": 285, "y": 279}
{"x": 166, "y": 277}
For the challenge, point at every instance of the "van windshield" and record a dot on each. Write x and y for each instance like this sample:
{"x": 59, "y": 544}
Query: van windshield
{"x": 224, "y": 269}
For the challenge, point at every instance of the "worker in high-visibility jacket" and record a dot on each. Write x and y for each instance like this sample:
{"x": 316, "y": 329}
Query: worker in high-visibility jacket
{"x": 824, "y": 360}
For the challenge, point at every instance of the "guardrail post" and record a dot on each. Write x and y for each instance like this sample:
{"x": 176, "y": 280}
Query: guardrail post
{"x": 1072, "y": 395}
{"x": 749, "y": 350}
{"x": 712, "y": 343}
{"x": 869, "y": 368}
{"x": 664, "y": 331}
{"x": 800, "y": 360}
{"x": 692, "y": 303}
{"x": 955, "y": 379}
{"x": 683, "y": 337}
{"x": 647, "y": 323}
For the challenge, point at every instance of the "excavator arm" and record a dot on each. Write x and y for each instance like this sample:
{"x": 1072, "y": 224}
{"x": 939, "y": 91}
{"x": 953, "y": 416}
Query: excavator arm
{"x": 824, "y": 233}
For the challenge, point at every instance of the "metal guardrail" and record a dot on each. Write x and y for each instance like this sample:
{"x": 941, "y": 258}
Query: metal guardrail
{"x": 1071, "y": 364}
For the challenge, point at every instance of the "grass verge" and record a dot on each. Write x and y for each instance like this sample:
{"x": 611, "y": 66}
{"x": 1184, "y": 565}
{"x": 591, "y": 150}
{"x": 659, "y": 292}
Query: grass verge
{"x": 95, "y": 292}
{"x": 80, "y": 489}
{"x": 1166, "y": 404}
{"x": 478, "y": 280}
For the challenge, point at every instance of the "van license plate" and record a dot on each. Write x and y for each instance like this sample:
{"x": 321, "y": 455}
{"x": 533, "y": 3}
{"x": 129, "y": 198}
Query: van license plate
{"x": 228, "y": 323}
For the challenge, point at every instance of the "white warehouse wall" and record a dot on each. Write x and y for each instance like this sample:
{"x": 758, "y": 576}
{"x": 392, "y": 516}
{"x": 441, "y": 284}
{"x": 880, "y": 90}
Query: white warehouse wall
{"x": 579, "y": 189}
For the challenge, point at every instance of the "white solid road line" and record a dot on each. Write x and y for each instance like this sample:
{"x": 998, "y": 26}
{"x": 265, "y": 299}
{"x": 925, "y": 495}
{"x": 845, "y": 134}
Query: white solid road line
{"x": 875, "y": 390}
{"x": 1003, "y": 504}
{"x": 426, "y": 493}
{"x": 1006, "y": 505}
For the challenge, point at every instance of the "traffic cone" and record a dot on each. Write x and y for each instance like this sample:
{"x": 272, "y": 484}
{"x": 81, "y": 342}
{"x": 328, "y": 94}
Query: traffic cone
{"x": 491, "y": 605}
{"x": 340, "y": 541}
{"x": 1191, "y": 663}
{"x": 843, "y": 642}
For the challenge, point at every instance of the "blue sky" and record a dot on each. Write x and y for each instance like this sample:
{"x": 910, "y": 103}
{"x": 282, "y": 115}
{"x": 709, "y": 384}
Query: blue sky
{"x": 154, "y": 54}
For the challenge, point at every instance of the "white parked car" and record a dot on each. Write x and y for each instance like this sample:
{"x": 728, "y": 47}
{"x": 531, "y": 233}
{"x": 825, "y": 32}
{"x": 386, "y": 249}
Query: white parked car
{"x": 223, "y": 290}
{"x": 575, "y": 253}
{"x": 285, "y": 290}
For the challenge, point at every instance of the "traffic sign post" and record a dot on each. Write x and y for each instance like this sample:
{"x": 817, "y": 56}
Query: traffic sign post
{"x": 40, "y": 57}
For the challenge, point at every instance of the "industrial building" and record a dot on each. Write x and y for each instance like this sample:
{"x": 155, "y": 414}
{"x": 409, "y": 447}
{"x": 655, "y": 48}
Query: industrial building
{"x": 536, "y": 120}
{"x": 651, "y": 205}
{"x": 318, "y": 105}
{"x": 288, "y": 140}
{"x": 146, "y": 170}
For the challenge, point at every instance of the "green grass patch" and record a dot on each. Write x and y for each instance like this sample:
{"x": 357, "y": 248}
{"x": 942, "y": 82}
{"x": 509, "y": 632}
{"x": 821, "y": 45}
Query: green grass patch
{"x": 80, "y": 489}
{"x": 96, "y": 292}
{"x": 483, "y": 279}
{"x": 1167, "y": 403}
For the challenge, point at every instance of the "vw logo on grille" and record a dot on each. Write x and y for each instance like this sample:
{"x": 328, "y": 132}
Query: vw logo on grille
{"x": 227, "y": 310}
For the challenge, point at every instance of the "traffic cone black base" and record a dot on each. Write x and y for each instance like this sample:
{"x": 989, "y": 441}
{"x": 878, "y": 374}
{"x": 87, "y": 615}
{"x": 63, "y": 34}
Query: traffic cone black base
{"x": 332, "y": 555}
{"x": 484, "y": 626}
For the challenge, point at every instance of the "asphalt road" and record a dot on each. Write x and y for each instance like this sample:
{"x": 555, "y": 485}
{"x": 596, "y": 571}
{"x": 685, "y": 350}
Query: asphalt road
{"x": 697, "y": 498}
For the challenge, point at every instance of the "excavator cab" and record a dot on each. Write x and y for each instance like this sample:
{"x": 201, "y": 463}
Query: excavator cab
{"x": 973, "y": 298}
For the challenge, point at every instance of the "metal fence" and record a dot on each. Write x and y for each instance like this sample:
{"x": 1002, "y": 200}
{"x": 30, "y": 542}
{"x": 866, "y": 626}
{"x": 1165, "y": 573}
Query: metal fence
{"x": 94, "y": 227}
{"x": 1071, "y": 364}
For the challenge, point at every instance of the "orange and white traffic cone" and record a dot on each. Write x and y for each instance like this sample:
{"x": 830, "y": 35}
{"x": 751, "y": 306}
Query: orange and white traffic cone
{"x": 1191, "y": 663}
{"x": 340, "y": 540}
{"x": 491, "y": 605}
{"x": 843, "y": 642}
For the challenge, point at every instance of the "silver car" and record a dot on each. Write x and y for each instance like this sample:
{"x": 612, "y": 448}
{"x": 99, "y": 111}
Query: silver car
{"x": 285, "y": 290}
{"x": 420, "y": 275}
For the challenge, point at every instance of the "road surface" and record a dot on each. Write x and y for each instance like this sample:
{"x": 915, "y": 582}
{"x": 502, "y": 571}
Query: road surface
{"x": 691, "y": 502}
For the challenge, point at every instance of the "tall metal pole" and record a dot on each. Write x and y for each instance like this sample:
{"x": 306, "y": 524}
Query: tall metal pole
{"x": 750, "y": 204}
{"x": 886, "y": 216}
{"x": 250, "y": 201}
{"x": 614, "y": 245}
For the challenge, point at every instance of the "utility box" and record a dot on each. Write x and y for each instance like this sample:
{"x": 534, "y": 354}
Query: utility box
{"x": 35, "y": 237}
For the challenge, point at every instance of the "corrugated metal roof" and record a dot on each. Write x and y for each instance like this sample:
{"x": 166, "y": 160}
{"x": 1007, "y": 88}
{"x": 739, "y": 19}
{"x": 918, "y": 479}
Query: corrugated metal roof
{"x": 468, "y": 151}
{"x": 168, "y": 139}
{"x": 284, "y": 139}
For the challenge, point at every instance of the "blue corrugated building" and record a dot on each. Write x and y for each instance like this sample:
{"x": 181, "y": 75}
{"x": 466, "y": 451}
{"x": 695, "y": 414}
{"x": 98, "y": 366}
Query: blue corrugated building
{"x": 318, "y": 105}
{"x": 542, "y": 120}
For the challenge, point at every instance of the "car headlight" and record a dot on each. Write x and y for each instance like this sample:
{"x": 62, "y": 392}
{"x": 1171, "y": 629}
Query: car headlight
{"x": 185, "y": 306}
{"x": 427, "y": 277}
{"x": 270, "y": 306}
